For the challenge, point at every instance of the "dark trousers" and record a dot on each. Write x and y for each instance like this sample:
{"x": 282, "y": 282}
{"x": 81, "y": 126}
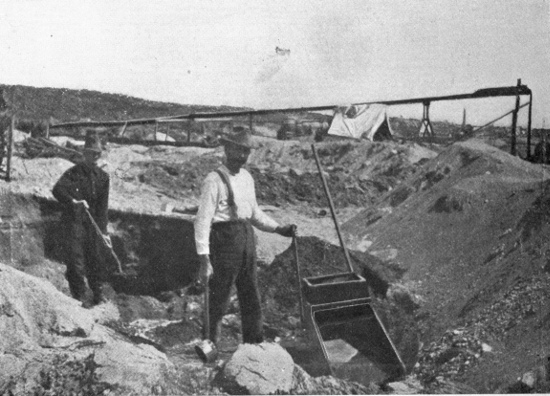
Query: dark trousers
{"x": 83, "y": 258}
{"x": 233, "y": 256}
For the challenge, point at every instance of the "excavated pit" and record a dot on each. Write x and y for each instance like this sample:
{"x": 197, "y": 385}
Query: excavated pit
{"x": 157, "y": 253}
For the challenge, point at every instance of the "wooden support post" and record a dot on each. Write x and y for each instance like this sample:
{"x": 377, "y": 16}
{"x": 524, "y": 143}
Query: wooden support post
{"x": 543, "y": 142}
{"x": 156, "y": 130}
{"x": 513, "y": 143}
{"x": 47, "y": 129}
{"x": 10, "y": 148}
{"x": 426, "y": 125}
{"x": 123, "y": 129}
{"x": 529, "y": 126}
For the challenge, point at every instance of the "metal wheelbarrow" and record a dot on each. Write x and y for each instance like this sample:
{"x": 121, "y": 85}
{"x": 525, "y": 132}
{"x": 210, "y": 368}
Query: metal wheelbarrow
{"x": 348, "y": 338}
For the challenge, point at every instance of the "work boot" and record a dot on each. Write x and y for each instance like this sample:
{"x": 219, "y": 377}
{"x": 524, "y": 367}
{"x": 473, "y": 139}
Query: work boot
{"x": 99, "y": 298}
{"x": 87, "y": 299}
{"x": 87, "y": 304}
{"x": 102, "y": 293}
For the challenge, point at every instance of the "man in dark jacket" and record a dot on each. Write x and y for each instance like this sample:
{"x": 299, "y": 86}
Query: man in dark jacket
{"x": 85, "y": 187}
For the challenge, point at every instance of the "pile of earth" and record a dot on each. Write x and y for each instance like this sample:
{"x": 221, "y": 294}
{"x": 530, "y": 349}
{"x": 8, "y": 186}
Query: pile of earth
{"x": 315, "y": 257}
{"x": 470, "y": 233}
{"x": 285, "y": 172}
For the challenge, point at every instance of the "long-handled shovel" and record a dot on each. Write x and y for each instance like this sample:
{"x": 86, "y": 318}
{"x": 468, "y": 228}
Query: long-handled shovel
{"x": 332, "y": 211}
{"x": 105, "y": 244}
{"x": 297, "y": 263}
{"x": 206, "y": 349}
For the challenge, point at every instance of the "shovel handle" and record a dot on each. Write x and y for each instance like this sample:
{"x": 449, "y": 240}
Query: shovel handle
{"x": 297, "y": 262}
{"x": 100, "y": 236}
{"x": 206, "y": 310}
{"x": 331, "y": 205}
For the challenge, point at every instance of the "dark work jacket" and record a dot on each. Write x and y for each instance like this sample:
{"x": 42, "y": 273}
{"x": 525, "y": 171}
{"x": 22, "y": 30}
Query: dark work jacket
{"x": 82, "y": 182}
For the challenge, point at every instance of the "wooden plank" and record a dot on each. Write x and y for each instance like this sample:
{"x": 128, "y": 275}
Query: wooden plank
{"x": 153, "y": 143}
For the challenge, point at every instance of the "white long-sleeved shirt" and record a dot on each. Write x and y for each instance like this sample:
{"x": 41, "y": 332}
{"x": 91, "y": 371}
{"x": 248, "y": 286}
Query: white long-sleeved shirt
{"x": 213, "y": 206}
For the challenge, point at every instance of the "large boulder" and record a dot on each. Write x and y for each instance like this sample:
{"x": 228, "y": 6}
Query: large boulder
{"x": 268, "y": 368}
{"x": 35, "y": 314}
{"x": 258, "y": 369}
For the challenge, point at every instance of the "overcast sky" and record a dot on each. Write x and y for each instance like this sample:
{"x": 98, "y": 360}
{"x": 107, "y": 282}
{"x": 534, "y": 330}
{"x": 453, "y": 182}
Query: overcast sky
{"x": 341, "y": 51}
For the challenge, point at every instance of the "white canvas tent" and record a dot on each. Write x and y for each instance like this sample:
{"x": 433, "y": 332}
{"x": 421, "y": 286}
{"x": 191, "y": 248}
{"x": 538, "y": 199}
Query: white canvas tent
{"x": 362, "y": 122}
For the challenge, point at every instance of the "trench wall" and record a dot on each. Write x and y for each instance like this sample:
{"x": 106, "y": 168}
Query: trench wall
{"x": 157, "y": 252}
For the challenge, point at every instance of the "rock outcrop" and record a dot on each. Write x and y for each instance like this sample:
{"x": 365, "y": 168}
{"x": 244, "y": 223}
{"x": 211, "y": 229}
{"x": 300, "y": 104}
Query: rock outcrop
{"x": 48, "y": 343}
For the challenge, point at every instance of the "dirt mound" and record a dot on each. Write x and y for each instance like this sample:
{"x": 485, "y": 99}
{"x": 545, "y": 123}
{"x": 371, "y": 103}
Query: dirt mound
{"x": 357, "y": 172}
{"x": 470, "y": 231}
{"x": 286, "y": 173}
{"x": 280, "y": 294}
{"x": 279, "y": 284}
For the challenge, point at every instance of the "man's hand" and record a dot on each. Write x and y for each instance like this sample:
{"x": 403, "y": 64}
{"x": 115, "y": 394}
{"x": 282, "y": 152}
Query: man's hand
{"x": 206, "y": 270}
{"x": 81, "y": 202}
{"x": 288, "y": 230}
{"x": 107, "y": 240}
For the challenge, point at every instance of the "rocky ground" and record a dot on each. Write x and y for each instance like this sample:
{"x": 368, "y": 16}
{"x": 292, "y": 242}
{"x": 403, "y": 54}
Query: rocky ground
{"x": 452, "y": 240}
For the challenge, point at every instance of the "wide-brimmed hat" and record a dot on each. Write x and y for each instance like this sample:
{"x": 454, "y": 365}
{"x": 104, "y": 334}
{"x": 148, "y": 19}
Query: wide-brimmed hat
{"x": 93, "y": 141}
{"x": 240, "y": 137}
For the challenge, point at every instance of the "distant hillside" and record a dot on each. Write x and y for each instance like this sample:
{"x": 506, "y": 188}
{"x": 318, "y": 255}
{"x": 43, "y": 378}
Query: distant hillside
{"x": 73, "y": 105}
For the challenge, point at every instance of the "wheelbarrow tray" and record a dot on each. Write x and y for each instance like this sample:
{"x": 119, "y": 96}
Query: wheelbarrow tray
{"x": 333, "y": 288}
{"x": 355, "y": 327}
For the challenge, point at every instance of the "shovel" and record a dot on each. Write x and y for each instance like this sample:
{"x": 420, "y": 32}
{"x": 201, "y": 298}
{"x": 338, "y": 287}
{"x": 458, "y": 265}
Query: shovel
{"x": 206, "y": 349}
{"x": 105, "y": 244}
{"x": 297, "y": 264}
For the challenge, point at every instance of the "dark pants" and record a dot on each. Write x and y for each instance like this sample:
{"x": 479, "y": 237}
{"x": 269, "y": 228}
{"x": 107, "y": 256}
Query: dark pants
{"x": 83, "y": 258}
{"x": 233, "y": 256}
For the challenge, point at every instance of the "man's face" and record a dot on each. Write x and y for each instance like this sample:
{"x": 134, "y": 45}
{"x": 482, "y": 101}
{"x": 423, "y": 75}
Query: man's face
{"x": 236, "y": 155}
{"x": 91, "y": 157}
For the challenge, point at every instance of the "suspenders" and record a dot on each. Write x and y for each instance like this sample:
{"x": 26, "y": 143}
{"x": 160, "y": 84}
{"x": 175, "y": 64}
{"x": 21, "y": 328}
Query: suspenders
{"x": 231, "y": 196}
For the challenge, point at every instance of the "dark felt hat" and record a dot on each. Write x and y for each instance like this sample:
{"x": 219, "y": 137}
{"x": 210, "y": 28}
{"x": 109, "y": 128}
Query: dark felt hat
{"x": 93, "y": 141}
{"x": 240, "y": 137}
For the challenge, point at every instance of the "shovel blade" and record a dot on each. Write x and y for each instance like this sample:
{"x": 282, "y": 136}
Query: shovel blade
{"x": 207, "y": 351}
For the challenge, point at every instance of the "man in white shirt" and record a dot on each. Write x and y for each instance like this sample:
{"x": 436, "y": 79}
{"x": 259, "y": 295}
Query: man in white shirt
{"x": 225, "y": 238}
